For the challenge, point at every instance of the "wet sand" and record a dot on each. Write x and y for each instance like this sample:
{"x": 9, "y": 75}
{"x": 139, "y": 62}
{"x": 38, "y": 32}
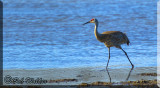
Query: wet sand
{"x": 86, "y": 76}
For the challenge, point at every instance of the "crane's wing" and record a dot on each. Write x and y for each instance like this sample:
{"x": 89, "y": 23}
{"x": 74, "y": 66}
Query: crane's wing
{"x": 116, "y": 37}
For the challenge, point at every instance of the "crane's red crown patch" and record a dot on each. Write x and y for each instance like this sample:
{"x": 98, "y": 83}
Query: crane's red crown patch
{"x": 92, "y": 19}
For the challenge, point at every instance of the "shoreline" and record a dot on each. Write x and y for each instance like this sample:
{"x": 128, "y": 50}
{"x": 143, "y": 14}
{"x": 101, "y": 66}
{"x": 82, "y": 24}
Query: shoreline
{"x": 80, "y": 76}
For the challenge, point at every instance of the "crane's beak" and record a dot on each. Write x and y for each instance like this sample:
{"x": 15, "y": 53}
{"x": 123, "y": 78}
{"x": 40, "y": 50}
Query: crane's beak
{"x": 86, "y": 22}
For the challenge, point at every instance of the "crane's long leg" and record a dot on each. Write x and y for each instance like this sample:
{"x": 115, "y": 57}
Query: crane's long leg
{"x": 108, "y": 56}
{"x": 127, "y": 57}
{"x": 109, "y": 76}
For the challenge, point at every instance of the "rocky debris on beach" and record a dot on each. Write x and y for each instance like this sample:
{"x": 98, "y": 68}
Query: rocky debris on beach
{"x": 61, "y": 80}
{"x": 133, "y": 83}
{"x": 140, "y": 82}
{"x": 148, "y": 74}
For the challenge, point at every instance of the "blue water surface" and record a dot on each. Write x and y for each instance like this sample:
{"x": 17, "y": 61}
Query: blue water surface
{"x": 49, "y": 34}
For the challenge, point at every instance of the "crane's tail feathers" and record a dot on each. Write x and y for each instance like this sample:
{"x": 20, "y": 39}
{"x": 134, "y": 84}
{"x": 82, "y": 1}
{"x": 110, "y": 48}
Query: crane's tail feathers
{"x": 126, "y": 38}
{"x": 128, "y": 42}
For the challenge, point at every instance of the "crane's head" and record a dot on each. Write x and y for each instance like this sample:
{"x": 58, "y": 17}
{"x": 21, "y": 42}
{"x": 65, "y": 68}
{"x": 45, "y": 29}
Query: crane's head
{"x": 91, "y": 21}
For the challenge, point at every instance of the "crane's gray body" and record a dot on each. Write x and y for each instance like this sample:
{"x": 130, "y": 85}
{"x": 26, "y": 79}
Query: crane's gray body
{"x": 111, "y": 38}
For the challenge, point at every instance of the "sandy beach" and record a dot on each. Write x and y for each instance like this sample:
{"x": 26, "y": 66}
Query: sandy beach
{"x": 80, "y": 76}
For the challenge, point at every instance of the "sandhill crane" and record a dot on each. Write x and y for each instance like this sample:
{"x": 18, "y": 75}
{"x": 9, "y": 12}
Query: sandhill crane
{"x": 110, "y": 39}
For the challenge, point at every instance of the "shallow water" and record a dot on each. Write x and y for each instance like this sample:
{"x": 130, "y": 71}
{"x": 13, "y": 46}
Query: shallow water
{"x": 50, "y": 34}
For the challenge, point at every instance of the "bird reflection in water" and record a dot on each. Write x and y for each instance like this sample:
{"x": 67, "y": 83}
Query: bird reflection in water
{"x": 126, "y": 78}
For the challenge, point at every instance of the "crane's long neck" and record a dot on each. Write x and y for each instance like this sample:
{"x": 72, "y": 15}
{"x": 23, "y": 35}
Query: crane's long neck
{"x": 97, "y": 34}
